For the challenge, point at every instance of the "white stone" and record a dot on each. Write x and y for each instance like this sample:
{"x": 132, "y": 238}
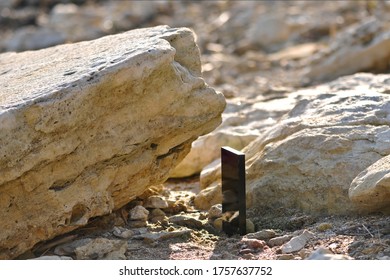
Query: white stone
{"x": 87, "y": 127}
{"x": 297, "y": 243}
{"x": 280, "y": 240}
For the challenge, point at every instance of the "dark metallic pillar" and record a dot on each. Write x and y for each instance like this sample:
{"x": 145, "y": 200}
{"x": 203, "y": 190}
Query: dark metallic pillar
{"x": 233, "y": 191}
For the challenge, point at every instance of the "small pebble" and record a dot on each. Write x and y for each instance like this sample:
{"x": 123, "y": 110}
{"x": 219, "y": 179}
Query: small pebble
{"x": 285, "y": 257}
{"x": 157, "y": 215}
{"x": 123, "y": 232}
{"x": 324, "y": 226}
{"x": 246, "y": 251}
{"x": 264, "y": 234}
{"x": 156, "y": 201}
{"x": 249, "y": 256}
{"x": 280, "y": 240}
{"x": 215, "y": 211}
{"x": 253, "y": 243}
{"x": 185, "y": 220}
{"x": 138, "y": 213}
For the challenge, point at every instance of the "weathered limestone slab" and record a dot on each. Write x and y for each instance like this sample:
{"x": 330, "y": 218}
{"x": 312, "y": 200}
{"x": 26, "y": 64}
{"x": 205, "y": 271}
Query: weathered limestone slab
{"x": 86, "y": 127}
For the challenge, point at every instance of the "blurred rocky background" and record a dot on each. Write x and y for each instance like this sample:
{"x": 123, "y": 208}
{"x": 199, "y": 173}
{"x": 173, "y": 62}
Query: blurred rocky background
{"x": 239, "y": 40}
{"x": 315, "y": 130}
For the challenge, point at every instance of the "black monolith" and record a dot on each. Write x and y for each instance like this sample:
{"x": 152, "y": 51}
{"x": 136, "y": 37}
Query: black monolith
{"x": 233, "y": 191}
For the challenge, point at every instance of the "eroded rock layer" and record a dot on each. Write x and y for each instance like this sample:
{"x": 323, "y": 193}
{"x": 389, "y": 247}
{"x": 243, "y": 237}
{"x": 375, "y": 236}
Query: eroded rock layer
{"x": 86, "y": 127}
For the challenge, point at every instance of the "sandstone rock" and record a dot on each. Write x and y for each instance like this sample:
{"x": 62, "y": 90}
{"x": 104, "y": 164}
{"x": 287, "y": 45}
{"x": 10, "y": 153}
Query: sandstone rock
{"x": 186, "y": 220}
{"x": 285, "y": 257}
{"x": 244, "y": 119}
{"x": 215, "y": 211}
{"x": 370, "y": 190}
{"x": 163, "y": 235}
{"x": 139, "y": 213}
{"x": 102, "y": 249}
{"x": 313, "y": 154}
{"x": 297, "y": 243}
{"x": 208, "y": 197}
{"x": 253, "y": 243}
{"x": 309, "y": 159}
{"x": 95, "y": 127}
{"x": 324, "y": 143}
{"x": 156, "y": 201}
{"x": 265, "y": 234}
{"x": 325, "y": 254}
{"x": 123, "y": 232}
{"x": 157, "y": 215}
{"x": 280, "y": 240}
{"x": 361, "y": 47}
{"x": 324, "y": 226}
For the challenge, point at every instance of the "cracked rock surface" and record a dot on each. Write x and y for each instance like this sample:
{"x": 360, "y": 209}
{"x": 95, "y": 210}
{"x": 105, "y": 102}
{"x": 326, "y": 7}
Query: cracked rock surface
{"x": 309, "y": 159}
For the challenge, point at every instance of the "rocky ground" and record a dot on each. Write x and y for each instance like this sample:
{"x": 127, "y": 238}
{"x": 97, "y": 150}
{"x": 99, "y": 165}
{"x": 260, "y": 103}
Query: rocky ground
{"x": 164, "y": 223}
{"x": 178, "y": 231}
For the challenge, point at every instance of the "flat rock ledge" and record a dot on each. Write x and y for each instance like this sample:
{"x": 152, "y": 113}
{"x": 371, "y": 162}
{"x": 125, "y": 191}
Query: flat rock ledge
{"x": 87, "y": 127}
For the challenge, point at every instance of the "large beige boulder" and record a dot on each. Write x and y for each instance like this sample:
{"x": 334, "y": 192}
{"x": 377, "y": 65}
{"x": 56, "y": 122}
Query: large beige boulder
{"x": 308, "y": 160}
{"x": 86, "y": 127}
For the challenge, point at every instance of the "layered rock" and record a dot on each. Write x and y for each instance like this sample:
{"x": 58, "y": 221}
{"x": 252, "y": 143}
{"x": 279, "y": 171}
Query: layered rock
{"x": 364, "y": 46}
{"x": 87, "y": 127}
{"x": 308, "y": 160}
